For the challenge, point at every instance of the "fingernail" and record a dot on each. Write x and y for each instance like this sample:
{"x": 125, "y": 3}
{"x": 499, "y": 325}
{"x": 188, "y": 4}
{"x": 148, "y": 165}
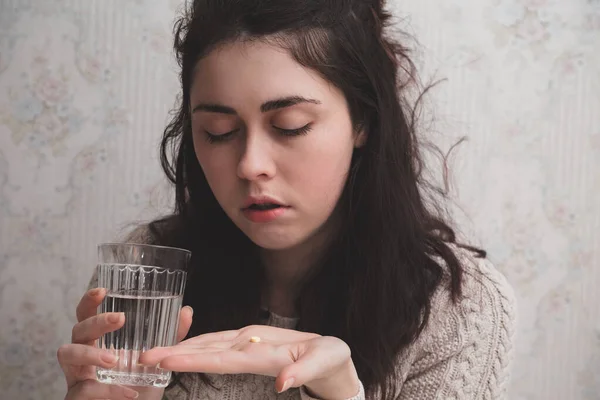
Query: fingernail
{"x": 131, "y": 394}
{"x": 191, "y": 310}
{"x": 114, "y": 318}
{"x": 109, "y": 358}
{"x": 95, "y": 292}
{"x": 287, "y": 384}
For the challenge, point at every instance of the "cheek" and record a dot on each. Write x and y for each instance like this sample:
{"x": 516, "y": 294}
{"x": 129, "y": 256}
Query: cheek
{"x": 321, "y": 172}
{"x": 217, "y": 167}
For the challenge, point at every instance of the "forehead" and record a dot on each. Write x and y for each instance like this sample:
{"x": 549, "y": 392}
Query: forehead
{"x": 255, "y": 71}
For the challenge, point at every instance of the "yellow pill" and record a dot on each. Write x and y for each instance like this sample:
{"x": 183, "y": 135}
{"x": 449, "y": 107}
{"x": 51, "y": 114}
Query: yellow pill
{"x": 255, "y": 339}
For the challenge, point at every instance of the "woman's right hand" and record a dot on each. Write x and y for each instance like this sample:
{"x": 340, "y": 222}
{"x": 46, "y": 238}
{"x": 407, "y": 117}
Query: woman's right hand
{"x": 80, "y": 358}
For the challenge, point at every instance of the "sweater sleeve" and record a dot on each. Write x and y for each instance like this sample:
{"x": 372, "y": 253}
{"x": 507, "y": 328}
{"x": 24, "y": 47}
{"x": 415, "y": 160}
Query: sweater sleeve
{"x": 360, "y": 396}
{"x": 466, "y": 349}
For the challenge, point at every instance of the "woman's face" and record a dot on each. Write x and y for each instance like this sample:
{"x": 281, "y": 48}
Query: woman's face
{"x": 273, "y": 138}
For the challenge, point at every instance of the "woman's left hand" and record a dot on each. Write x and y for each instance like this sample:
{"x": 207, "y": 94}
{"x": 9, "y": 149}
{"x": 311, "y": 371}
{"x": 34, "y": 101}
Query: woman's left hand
{"x": 322, "y": 364}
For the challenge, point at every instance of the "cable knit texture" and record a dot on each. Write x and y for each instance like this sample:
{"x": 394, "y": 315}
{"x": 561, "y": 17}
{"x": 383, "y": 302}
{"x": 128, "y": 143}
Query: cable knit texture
{"x": 464, "y": 353}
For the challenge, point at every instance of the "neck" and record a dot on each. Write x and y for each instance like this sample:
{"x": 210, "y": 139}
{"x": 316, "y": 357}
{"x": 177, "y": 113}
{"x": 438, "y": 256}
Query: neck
{"x": 286, "y": 271}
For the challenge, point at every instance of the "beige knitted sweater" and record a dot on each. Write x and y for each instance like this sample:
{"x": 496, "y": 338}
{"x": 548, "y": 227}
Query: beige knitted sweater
{"x": 463, "y": 354}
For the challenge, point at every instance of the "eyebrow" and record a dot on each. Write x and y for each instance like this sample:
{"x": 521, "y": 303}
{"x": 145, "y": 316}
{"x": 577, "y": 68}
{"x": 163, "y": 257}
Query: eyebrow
{"x": 265, "y": 107}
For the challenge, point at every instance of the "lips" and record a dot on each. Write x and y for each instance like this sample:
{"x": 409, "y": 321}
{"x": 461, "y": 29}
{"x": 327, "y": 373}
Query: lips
{"x": 263, "y": 209}
{"x": 262, "y": 201}
{"x": 264, "y": 206}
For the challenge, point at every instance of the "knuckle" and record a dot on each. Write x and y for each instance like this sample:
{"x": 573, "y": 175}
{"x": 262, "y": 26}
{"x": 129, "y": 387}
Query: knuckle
{"x": 78, "y": 332}
{"x": 103, "y": 319}
{"x": 74, "y": 332}
{"x": 81, "y": 306}
{"x": 88, "y": 352}
{"x": 97, "y": 322}
{"x": 62, "y": 351}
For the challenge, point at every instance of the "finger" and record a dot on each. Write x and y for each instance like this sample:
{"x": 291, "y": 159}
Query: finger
{"x": 157, "y": 354}
{"x": 90, "y": 389}
{"x": 96, "y": 326}
{"x": 274, "y": 334}
{"x": 211, "y": 337}
{"x": 80, "y": 354}
{"x": 157, "y": 359}
{"x": 267, "y": 333}
{"x": 88, "y": 305}
{"x": 317, "y": 358}
{"x": 221, "y": 362}
{"x": 185, "y": 322}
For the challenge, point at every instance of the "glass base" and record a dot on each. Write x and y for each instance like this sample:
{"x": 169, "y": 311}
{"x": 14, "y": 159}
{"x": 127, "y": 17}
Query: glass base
{"x": 133, "y": 379}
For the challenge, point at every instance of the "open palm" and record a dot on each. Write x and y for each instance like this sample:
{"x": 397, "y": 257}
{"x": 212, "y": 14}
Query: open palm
{"x": 281, "y": 353}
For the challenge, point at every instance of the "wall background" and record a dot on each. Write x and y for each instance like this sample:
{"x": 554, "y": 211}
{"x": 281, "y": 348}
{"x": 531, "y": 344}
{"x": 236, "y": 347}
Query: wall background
{"x": 85, "y": 90}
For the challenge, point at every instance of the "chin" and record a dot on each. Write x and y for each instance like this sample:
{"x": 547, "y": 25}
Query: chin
{"x": 273, "y": 240}
{"x": 273, "y": 243}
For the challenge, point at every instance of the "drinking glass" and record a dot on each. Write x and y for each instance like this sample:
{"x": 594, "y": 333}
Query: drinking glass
{"x": 146, "y": 283}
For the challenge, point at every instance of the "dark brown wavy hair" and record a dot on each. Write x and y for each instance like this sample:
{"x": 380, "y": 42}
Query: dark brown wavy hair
{"x": 373, "y": 287}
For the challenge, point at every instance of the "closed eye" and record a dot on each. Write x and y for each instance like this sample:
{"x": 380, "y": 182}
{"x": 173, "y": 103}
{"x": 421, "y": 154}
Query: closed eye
{"x": 294, "y": 132}
{"x": 221, "y": 137}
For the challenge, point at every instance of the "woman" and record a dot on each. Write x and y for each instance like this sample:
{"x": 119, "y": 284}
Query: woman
{"x": 298, "y": 191}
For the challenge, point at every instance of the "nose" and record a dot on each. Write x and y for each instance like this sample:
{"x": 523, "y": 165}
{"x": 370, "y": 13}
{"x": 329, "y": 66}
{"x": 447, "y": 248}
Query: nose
{"x": 256, "y": 161}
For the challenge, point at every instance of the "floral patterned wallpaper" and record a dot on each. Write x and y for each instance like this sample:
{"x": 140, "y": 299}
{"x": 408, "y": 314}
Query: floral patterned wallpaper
{"x": 85, "y": 90}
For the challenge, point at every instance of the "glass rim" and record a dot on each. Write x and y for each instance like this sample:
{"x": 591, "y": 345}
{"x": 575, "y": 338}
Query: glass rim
{"x": 126, "y": 244}
{"x": 144, "y": 268}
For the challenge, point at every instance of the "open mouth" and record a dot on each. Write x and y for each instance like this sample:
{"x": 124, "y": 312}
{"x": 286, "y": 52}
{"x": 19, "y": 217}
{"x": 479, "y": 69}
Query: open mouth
{"x": 263, "y": 210}
{"x": 264, "y": 206}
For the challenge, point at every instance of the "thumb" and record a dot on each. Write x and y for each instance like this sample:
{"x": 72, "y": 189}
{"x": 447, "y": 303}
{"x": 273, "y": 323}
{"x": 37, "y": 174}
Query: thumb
{"x": 318, "y": 359}
{"x": 185, "y": 322}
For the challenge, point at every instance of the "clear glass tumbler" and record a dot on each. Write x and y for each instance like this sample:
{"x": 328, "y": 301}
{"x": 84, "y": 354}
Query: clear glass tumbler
{"x": 147, "y": 284}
